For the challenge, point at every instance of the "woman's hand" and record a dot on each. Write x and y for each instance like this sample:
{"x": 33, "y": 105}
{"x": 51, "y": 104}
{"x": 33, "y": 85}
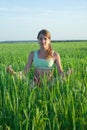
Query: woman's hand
{"x": 21, "y": 75}
{"x": 10, "y": 70}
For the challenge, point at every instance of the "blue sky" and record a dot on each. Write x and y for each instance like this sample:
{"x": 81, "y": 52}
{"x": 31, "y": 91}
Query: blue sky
{"x": 23, "y": 19}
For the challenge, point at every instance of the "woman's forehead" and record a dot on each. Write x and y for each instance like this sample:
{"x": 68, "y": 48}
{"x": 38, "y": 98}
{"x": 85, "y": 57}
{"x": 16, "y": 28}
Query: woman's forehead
{"x": 42, "y": 36}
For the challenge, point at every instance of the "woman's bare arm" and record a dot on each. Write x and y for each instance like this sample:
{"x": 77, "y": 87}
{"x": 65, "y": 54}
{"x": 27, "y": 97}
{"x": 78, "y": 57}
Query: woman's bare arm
{"x": 58, "y": 63}
{"x": 59, "y": 67}
{"x": 29, "y": 63}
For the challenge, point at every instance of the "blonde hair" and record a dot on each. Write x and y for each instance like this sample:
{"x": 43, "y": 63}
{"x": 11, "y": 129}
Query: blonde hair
{"x": 48, "y": 35}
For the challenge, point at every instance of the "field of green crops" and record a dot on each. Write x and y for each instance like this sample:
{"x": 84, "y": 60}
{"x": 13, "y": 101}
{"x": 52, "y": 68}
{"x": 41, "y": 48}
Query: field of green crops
{"x": 59, "y": 106}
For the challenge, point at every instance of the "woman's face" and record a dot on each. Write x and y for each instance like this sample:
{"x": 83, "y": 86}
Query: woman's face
{"x": 44, "y": 41}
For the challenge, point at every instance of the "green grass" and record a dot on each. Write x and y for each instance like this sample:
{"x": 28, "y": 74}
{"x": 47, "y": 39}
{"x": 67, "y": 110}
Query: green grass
{"x": 60, "y": 106}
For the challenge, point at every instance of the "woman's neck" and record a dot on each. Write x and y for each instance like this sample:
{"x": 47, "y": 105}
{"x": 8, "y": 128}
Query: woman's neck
{"x": 42, "y": 53}
{"x": 43, "y": 50}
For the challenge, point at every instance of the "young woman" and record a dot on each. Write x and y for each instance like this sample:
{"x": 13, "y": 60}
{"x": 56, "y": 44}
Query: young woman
{"x": 43, "y": 59}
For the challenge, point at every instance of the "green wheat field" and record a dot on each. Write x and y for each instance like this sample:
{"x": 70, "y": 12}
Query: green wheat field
{"x": 58, "y": 106}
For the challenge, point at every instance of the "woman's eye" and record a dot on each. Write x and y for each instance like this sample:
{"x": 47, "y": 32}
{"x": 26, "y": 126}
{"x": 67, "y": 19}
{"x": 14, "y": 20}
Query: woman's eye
{"x": 40, "y": 39}
{"x": 45, "y": 39}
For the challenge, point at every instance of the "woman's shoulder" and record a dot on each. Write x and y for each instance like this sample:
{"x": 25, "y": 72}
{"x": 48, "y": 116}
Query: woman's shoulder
{"x": 32, "y": 53}
{"x": 56, "y": 54}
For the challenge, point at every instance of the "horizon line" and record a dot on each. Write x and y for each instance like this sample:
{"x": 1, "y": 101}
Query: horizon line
{"x": 37, "y": 41}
